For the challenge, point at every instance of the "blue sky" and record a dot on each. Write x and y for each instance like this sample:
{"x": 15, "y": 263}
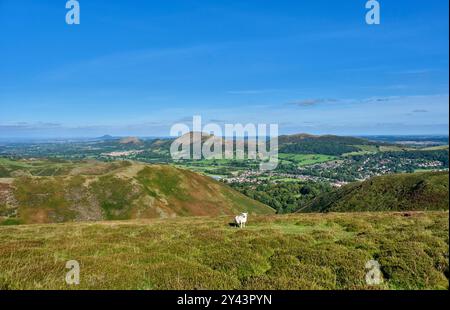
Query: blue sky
{"x": 137, "y": 67}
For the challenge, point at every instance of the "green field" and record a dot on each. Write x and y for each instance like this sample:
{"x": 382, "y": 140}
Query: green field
{"x": 364, "y": 150}
{"x": 436, "y": 148}
{"x": 306, "y": 159}
{"x": 293, "y": 252}
{"x": 394, "y": 148}
{"x": 226, "y": 167}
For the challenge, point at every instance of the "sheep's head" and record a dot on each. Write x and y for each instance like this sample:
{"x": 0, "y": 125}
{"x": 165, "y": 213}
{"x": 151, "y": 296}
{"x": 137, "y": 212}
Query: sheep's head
{"x": 245, "y": 214}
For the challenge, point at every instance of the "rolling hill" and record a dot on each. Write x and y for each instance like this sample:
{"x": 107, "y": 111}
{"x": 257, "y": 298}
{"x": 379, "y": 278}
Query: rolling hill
{"x": 48, "y": 191}
{"x": 331, "y": 145}
{"x": 294, "y": 144}
{"x": 130, "y": 140}
{"x": 398, "y": 192}
{"x": 309, "y": 144}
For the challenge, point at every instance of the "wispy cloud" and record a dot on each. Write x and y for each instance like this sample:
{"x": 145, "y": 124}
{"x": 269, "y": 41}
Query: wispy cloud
{"x": 29, "y": 126}
{"x": 123, "y": 59}
{"x": 415, "y": 72}
{"x": 252, "y": 91}
{"x": 41, "y": 129}
{"x": 311, "y": 102}
{"x": 219, "y": 121}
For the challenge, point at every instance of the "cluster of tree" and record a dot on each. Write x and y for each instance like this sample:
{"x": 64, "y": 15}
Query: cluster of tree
{"x": 285, "y": 197}
{"x": 318, "y": 147}
{"x": 327, "y": 145}
{"x": 344, "y": 173}
{"x": 325, "y": 139}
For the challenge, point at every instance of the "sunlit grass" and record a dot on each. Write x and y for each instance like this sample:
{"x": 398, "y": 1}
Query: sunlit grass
{"x": 301, "y": 251}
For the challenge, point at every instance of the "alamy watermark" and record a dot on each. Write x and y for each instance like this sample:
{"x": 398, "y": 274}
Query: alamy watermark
{"x": 73, "y": 15}
{"x": 373, "y": 16}
{"x": 236, "y": 141}
{"x": 73, "y": 275}
{"x": 373, "y": 275}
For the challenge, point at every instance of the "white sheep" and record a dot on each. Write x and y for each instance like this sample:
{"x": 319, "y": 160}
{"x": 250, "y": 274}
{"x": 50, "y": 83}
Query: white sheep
{"x": 241, "y": 220}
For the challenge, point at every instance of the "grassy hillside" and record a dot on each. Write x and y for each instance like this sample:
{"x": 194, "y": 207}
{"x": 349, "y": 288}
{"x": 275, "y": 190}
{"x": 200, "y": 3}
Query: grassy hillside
{"x": 86, "y": 191}
{"x": 301, "y": 251}
{"x": 415, "y": 191}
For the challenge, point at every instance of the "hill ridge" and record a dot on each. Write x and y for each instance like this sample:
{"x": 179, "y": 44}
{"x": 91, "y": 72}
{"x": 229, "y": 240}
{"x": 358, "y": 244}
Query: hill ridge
{"x": 396, "y": 192}
{"x": 118, "y": 191}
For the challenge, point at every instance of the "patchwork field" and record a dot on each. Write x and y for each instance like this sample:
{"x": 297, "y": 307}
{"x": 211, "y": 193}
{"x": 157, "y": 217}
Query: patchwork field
{"x": 301, "y": 251}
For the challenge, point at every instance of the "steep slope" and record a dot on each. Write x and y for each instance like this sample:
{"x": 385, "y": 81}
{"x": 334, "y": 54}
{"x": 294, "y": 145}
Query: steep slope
{"x": 124, "y": 190}
{"x": 400, "y": 192}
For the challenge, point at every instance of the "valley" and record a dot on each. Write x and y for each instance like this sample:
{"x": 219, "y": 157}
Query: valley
{"x": 245, "y": 147}
{"x": 136, "y": 219}
{"x": 318, "y": 164}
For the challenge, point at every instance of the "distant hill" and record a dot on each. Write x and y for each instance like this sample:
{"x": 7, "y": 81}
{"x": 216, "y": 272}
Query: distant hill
{"x": 291, "y": 144}
{"x": 302, "y": 143}
{"x": 106, "y": 138}
{"x": 298, "y": 138}
{"x": 296, "y": 144}
{"x": 87, "y": 191}
{"x": 130, "y": 140}
{"x": 398, "y": 192}
{"x": 328, "y": 144}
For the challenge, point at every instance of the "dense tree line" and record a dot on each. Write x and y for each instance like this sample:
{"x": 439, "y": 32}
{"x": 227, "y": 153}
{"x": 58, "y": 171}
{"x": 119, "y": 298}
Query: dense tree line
{"x": 285, "y": 197}
{"x": 316, "y": 147}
